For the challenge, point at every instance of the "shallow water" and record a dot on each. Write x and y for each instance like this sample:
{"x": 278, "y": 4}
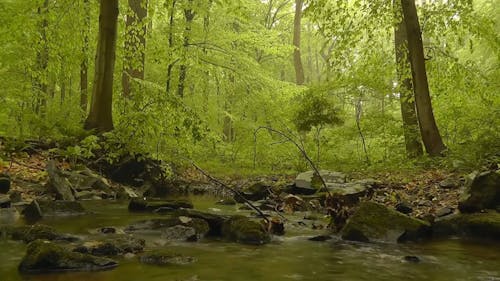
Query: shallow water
{"x": 292, "y": 257}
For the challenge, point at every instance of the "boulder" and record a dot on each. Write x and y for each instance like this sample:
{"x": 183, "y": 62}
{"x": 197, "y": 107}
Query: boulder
{"x": 58, "y": 183}
{"x": 4, "y": 201}
{"x": 114, "y": 246}
{"x": 255, "y": 192}
{"x": 476, "y": 225}
{"x": 308, "y": 181}
{"x": 373, "y": 221}
{"x": 141, "y": 205}
{"x": 162, "y": 257}
{"x": 29, "y": 233}
{"x": 181, "y": 233}
{"x": 483, "y": 192}
{"x": 4, "y": 184}
{"x": 199, "y": 226}
{"x": 214, "y": 221}
{"x": 43, "y": 256}
{"x": 243, "y": 230}
{"x": 42, "y": 208}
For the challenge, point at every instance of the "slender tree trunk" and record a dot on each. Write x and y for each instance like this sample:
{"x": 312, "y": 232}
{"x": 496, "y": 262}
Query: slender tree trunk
{"x": 100, "y": 116}
{"x": 42, "y": 60}
{"x": 406, "y": 97}
{"x": 297, "y": 61}
{"x": 170, "y": 44}
{"x": 189, "y": 15}
{"x": 84, "y": 66}
{"x": 135, "y": 44}
{"x": 430, "y": 134}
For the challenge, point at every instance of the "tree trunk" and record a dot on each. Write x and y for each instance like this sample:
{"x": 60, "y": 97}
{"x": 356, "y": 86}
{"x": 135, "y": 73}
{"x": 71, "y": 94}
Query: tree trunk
{"x": 42, "y": 60}
{"x": 84, "y": 66}
{"x": 406, "y": 97}
{"x": 170, "y": 44}
{"x": 430, "y": 134}
{"x": 135, "y": 44}
{"x": 299, "y": 69}
{"x": 100, "y": 116}
{"x": 189, "y": 15}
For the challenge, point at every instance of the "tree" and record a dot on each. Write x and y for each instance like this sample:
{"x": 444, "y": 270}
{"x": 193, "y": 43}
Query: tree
{"x": 297, "y": 61}
{"x": 406, "y": 97}
{"x": 100, "y": 117}
{"x": 189, "y": 15}
{"x": 135, "y": 43}
{"x": 430, "y": 134}
{"x": 85, "y": 58}
{"x": 42, "y": 60}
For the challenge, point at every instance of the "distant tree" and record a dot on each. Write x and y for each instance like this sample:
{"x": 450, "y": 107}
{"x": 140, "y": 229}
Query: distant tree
{"x": 405, "y": 87}
{"x": 40, "y": 83}
{"x": 189, "y": 15}
{"x": 297, "y": 61}
{"x": 135, "y": 43}
{"x": 84, "y": 66}
{"x": 100, "y": 117}
{"x": 430, "y": 134}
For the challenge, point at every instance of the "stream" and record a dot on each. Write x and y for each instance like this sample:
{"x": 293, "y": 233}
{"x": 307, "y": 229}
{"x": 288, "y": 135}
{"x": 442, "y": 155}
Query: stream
{"x": 291, "y": 257}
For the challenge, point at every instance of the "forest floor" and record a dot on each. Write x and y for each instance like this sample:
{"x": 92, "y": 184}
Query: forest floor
{"x": 424, "y": 194}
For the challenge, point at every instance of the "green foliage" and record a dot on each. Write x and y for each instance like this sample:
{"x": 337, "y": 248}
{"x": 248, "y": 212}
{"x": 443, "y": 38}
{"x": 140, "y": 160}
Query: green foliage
{"x": 316, "y": 110}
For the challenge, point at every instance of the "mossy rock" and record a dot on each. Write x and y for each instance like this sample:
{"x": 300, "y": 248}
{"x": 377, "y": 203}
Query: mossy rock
{"x": 373, "y": 221}
{"x": 29, "y": 233}
{"x": 255, "y": 192}
{"x": 114, "y": 246}
{"x": 43, "y": 256}
{"x": 44, "y": 208}
{"x": 477, "y": 225}
{"x": 243, "y": 230}
{"x": 200, "y": 226}
{"x": 483, "y": 192}
{"x": 214, "y": 221}
{"x": 141, "y": 205}
{"x": 164, "y": 258}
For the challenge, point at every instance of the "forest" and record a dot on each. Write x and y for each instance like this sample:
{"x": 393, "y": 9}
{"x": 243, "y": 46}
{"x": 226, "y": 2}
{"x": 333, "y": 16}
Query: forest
{"x": 249, "y": 139}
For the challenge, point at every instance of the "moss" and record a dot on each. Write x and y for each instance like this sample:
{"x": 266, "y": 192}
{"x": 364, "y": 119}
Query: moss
{"x": 29, "y": 233}
{"x": 477, "y": 225}
{"x": 44, "y": 256}
{"x": 243, "y": 230}
{"x": 375, "y": 221}
{"x": 164, "y": 257}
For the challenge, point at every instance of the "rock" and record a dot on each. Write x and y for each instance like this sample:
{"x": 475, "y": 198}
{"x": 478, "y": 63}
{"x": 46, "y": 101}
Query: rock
{"x": 162, "y": 257}
{"x": 58, "y": 183}
{"x": 41, "y": 208}
{"x": 141, "y": 205}
{"x": 29, "y": 233}
{"x": 117, "y": 245}
{"x": 483, "y": 192}
{"x": 200, "y": 226}
{"x": 226, "y": 202}
{"x": 412, "y": 259}
{"x": 444, "y": 212}
{"x": 4, "y": 201}
{"x": 308, "y": 180}
{"x": 9, "y": 215}
{"x": 255, "y": 192}
{"x": 476, "y": 225}
{"x": 404, "y": 208}
{"x": 320, "y": 238}
{"x": 215, "y": 221}
{"x": 15, "y": 196}
{"x": 448, "y": 183}
{"x": 373, "y": 221}
{"x": 180, "y": 232}
{"x": 4, "y": 184}
{"x": 107, "y": 230}
{"x": 243, "y": 230}
{"x": 43, "y": 256}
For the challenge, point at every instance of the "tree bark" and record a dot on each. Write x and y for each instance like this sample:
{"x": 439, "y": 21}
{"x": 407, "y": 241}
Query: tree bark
{"x": 84, "y": 66}
{"x": 189, "y": 15}
{"x": 135, "y": 44}
{"x": 42, "y": 60}
{"x": 430, "y": 134}
{"x": 170, "y": 44}
{"x": 100, "y": 117}
{"x": 297, "y": 62}
{"x": 406, "y": 97}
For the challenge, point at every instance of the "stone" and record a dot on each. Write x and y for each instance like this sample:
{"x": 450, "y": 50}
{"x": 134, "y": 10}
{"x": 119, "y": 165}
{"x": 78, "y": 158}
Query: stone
{"x": 15, "y": 196}
{"x": 404, "y": 208}
{"x": 38, "y": 209}
{"x": 4, "y": 184}
{"x": 200, "y": 226}
{"x": 376, "y": 222}
{"x": 475, "y": 225}
{"x": 255, "y": 192}
{"x": 320, "y": 238}
{"x": 180, "y": 232}
{"x": 215, "y": 221}
{"x": 483, "y": 192}
{"x": 444, "y": 212}
{"x": 107, "y": 230}
{"x": 114, "y": 246}
{"x": 243, "y": 230}
{"x": 43, "y": 256}
{"x": 412, "y": 259}
{"x": 4, "y": 201}
{"x": 141, "y": 205}
{"x": 164, "y": 258}
{"x": 9, "y": 216}
{"x": 448, "y": 183}
{"x": 58, "y": 183}
{"x": 29, "y": 233}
